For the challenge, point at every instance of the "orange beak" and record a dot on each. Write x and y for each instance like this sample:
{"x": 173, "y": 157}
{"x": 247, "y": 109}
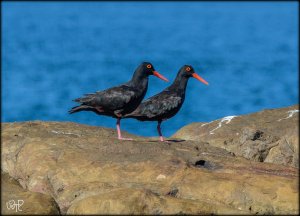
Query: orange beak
{"x": 155, "y": 73}
{"x": 196, "y": 76}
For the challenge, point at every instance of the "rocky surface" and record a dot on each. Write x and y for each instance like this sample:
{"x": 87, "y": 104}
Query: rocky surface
{"x": 86, "y": 170}
{"x": 268, "y": 136}
{"x": 29, "y": 202}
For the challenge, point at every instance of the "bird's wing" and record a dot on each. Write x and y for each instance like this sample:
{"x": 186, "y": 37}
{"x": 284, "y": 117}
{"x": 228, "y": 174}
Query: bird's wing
{"x": 158, "y": 105}
{"x": 112, "y": 98}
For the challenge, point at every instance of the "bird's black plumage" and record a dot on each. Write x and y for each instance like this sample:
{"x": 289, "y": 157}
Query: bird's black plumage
{"x": 159, "y": 107}
{"x": 120, "y": 100}
{"x": 167, "y": 103}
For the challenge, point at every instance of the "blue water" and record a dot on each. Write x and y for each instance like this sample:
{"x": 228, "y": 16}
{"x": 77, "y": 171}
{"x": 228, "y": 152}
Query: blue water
{"x": 54, "y": 52}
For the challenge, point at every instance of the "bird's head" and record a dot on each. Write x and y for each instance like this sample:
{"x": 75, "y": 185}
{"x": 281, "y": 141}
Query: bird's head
{"x": 188, "y": 71}
{"x": 148, "y": 68}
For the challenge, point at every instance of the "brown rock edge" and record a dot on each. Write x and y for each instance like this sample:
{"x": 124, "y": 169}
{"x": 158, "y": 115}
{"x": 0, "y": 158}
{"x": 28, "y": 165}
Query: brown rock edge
{"x": 86, "y": 170}
{"x": 271, "y": 135}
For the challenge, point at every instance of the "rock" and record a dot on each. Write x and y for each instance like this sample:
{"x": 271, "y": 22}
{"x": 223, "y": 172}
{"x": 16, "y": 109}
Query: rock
{"x": 87, "y": 170}
{"x": 138, "y": 201}
{"x": 267, "y": 136}
{"x": 30, "y": 203}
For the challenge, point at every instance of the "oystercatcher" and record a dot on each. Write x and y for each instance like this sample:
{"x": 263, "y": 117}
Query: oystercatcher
{"x": 120, "y": 100}
{"x": 166, "y": 104}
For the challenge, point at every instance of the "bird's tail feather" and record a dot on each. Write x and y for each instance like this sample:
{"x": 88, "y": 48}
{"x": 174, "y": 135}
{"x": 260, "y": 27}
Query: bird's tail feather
{"x": 79, "y": 108}
{"x": 86, "y": 98}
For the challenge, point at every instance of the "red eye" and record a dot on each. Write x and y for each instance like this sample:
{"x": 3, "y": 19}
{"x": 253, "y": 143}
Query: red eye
{"x": 149, "y": 66}
{"x": 188, "y": 69}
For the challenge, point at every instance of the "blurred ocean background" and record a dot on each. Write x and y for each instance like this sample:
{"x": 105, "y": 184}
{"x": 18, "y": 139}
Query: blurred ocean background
{"x": 53, "y": 52}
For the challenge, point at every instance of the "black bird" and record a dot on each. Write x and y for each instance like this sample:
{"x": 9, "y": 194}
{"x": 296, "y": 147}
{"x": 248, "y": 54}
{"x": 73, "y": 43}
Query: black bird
{"x": 166, "y": 104}
{"x": 120, "y": 100}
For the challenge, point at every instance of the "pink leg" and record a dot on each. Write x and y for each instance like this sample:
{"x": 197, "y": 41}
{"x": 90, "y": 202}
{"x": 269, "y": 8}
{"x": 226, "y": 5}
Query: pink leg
{"x": 119, "y": 131}
{"x": 159, "y": 132}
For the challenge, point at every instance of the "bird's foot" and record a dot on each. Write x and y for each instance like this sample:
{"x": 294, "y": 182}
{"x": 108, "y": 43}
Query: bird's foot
{"x": 123, "y": 138}
{"x": 163, "y": 140}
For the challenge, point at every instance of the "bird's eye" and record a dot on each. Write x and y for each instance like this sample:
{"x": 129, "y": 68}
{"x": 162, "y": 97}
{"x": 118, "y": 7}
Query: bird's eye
{"x": 149, "y": 66}
{"x": 188, "y": 69}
